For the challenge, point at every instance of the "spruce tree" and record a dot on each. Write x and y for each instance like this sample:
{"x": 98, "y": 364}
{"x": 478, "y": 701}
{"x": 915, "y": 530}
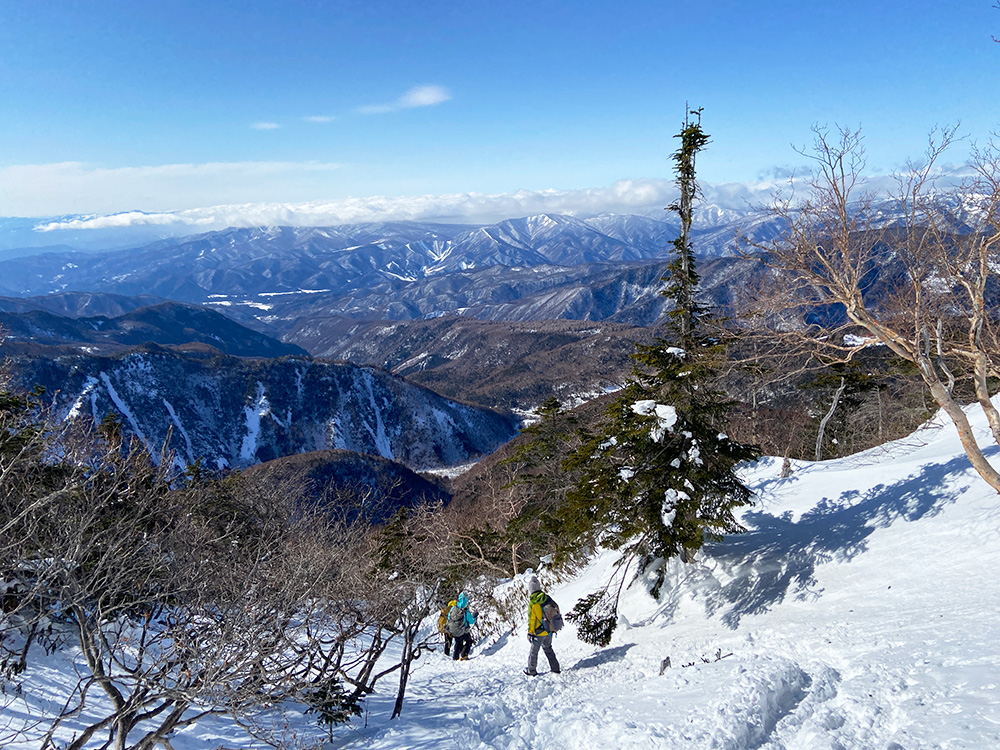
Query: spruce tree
{"x": 659, "y": 477}
{"x": 541, "y": 479}
{"x": 683, "y": 279}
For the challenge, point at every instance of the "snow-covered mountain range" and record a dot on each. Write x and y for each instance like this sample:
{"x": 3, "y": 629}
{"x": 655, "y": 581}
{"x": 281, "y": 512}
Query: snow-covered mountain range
{"x": 272, "y": 278}
{"x": 276, "y": 260}
{"x": 29, "y": 236}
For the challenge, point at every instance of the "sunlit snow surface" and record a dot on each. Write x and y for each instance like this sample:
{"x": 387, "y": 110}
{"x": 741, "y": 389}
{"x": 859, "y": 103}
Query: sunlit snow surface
{"x": 860, "y": 612}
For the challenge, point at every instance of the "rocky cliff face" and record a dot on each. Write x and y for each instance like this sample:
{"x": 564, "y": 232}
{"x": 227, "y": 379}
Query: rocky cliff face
{"x": 234, "y": 413}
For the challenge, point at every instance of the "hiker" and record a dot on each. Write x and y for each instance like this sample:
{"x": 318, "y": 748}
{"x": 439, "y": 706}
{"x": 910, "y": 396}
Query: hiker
{"x": 460, "y": 621}
{"x": 443, "y": 626}
{"x": 537, "y": 635}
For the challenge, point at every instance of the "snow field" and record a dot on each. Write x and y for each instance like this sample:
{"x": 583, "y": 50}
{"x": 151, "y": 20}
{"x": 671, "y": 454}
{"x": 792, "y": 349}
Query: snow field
{"x": 859, "y": 612}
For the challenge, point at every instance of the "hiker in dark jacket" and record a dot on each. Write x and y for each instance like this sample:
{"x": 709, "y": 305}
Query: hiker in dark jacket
{"x": 460, "y": 622}
{"x": 540, "y": 638}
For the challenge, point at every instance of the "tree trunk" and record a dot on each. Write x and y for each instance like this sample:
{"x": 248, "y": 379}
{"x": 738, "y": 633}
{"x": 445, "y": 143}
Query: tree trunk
{"x": 159, "y": 735}
{"x": 829, "y": 415}
{"x": 409, "y": 653}
{"x": 983, "y": 395}
{"x": 961, "y": 421}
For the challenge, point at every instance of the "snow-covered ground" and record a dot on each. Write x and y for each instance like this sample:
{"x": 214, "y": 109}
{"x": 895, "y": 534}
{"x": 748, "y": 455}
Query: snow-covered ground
{"x": 861, "y": 611}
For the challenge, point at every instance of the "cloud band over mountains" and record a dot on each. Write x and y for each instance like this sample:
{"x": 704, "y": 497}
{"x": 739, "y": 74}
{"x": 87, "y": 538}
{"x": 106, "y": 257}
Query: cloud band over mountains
{"x": 79, "y": 188}
{"x": 639, "y": 196}
{"x": 212, "y": 184}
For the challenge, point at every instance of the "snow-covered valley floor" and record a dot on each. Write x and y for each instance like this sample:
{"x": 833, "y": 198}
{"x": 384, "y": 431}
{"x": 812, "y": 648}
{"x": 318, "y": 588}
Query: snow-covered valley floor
{"x": 861, "y": 611}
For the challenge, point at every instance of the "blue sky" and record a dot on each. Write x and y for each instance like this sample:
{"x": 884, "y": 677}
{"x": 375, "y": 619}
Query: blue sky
{"x": 110, "y": 106}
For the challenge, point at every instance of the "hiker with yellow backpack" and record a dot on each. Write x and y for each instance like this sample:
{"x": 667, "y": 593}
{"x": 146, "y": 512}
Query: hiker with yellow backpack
{"x": 443, "y": 626}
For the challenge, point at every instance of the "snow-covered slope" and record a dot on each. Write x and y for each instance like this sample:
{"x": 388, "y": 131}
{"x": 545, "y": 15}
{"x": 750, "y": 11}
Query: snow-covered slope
{"x": 859, "y": 612}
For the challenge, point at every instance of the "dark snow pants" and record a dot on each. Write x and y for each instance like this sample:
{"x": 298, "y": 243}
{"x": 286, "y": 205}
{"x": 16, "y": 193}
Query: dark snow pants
{"x": 543, "y": 642}
{"x": 463, "y": 643}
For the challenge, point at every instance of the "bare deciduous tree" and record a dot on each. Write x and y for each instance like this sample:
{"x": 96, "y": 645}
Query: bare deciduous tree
{"x": 912, "y": 274}
{"x": 222, "y": 597}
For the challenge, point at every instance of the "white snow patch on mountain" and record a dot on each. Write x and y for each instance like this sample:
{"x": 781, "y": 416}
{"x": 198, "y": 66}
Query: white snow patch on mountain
{"x": 382, "y": 442}
{"x": 254, "y": 412}
{"x": 86, "y": 392}
{"x": 123, "y": 409}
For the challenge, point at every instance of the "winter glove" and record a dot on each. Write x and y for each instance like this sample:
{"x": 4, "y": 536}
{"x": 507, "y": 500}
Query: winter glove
{"x": 531, "y": 638}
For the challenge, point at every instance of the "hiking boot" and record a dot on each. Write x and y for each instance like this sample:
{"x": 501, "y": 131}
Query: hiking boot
{"x": 556, "y": 671}
{"x": 464, "y": 658}
{"x": 531, "y": 673}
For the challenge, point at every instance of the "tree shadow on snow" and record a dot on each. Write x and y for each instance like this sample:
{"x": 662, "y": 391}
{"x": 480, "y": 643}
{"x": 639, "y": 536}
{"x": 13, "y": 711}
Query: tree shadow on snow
{"x": 498, "y": 645}
{"x": 605, "y": 656}
{"x": 779, "y": 556}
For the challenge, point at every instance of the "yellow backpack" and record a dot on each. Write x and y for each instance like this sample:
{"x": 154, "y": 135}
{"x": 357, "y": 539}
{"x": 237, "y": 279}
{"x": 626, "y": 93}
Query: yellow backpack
{"x": 443, "y": 616}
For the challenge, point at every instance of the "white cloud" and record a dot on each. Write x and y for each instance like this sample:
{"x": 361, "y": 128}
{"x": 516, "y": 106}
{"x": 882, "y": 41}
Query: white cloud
{"x": 120, "y": 221}
{"x": 646, "y": 196}
{"x": 265, "y": 126}
{"x": 219, "y": 194}
{"x": 418, "y": 96}
{"x": 76, "y": 187}
{"x": 424, "y": 96}
{"x": 319, "y": 118}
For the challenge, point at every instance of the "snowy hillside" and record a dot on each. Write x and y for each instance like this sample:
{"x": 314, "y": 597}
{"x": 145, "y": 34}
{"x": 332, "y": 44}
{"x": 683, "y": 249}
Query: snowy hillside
{"x": 859, "y": 612}
{"x": 236, "y": 412}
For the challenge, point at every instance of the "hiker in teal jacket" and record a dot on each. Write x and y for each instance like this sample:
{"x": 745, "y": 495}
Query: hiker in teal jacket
{"x": 540, "y": 639}
{"x": 460, "y": 622}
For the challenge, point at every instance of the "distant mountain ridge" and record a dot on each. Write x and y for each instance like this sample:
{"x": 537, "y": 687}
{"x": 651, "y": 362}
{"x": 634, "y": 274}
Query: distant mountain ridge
{"x": 277, "y": 260}
{"x": 501, "y": 364}
{"x": 80, "y": 304}
{"x": 165, "y": 324}
{"x": 23, "y": 237}
{"x": 540, "y": 267}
